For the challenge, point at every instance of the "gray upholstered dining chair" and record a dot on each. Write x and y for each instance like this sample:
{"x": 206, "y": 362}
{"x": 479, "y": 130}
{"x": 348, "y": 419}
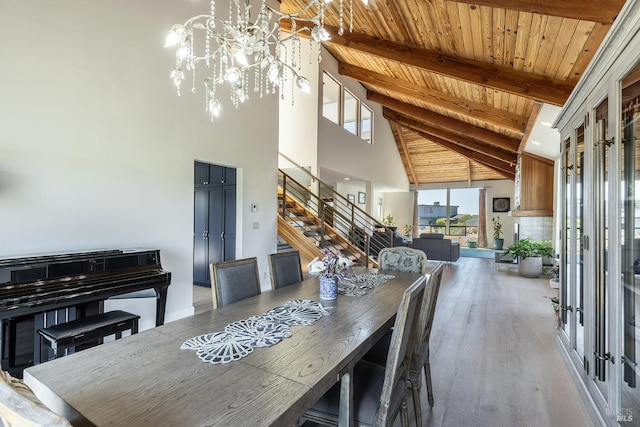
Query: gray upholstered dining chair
{"x": 20, "y": 407}
{"x": 232, "y": 281}
{"x": 401, "y": 258}
{"x": 420, "y": 345}
{"x": 285, "y": 269}
{"x": 379, "y": 393}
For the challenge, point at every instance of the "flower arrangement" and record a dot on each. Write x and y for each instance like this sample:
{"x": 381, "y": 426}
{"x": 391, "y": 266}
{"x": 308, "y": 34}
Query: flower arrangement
{"x": 333, "y": 265}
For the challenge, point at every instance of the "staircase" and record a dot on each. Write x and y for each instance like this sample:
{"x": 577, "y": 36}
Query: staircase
{"x": 310, "y": 223}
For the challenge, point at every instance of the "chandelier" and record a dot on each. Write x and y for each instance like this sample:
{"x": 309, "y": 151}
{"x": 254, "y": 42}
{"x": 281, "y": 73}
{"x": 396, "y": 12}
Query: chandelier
{"x": 237, "y": 48}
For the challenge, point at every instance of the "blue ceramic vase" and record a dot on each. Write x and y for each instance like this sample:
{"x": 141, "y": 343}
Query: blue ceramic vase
{"x": 328, "y": 288}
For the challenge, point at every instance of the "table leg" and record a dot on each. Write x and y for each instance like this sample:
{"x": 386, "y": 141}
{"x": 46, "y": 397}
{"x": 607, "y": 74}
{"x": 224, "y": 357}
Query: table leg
{"x": 345, "y": 412}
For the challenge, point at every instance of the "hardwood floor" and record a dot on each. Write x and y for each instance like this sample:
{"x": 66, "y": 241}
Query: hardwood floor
{"x": 494, "y": 357}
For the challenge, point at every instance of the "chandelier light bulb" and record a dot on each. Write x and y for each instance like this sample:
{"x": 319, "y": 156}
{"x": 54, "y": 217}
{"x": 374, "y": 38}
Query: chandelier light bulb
{"x": 174, "y": 36}
{"x": 232, "y": 74}
{"x": 181, "y": 53}
{"x": 241, "y": 57}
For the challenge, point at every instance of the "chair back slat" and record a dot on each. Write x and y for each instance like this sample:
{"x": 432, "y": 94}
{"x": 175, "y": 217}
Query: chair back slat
{"x": 432, "y": 288}
{"x": 407, "y": 317}
{"x": 233, "y": 281}
{"x": 285, "y": 269}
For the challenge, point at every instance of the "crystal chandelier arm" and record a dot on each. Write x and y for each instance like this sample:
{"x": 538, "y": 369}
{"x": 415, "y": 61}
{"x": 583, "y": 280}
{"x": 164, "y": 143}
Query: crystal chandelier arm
{"x": 322, "y": 7}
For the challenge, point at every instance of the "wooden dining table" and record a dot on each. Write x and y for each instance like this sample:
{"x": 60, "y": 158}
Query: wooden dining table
{"x": 147, "y": 380}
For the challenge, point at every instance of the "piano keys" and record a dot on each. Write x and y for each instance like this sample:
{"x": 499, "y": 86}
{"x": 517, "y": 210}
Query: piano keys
{"x": 38, "y": 291}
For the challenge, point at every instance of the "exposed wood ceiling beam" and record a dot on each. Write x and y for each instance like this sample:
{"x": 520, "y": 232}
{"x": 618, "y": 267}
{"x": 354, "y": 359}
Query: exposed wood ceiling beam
{"x": 468, "y": 130}
{"x": 493, "y": 164}
{"x": 600, "y": 11}
{"x": 509, "y": 159}
{"x": 536, "y": 87}
{"x": 407, "y": 156}
{"x": 535, "y": 111}
{"x": 476, "y": 110}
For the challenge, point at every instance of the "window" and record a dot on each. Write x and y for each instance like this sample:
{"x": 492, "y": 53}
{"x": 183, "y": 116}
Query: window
{"x": 343, "y": 108}
{"x": 331, "y": 90}
{"x": 366, "y": 118}
{"x": 350, "y": 113}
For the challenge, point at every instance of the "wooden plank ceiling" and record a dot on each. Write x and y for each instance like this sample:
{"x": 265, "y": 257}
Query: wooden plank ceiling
{"x": 461, "y": 82}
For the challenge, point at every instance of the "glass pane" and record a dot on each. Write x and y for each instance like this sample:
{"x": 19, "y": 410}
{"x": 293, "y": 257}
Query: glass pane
{"x": 366, "y": 117}
{"x": 578, "y": 246}
{"x": 601, "y": 243}
{"x": 565, "y": 294}
{"x": 330, "y": 98}
{"x": 630, "y": 239}
{"x": 350, "y": 114}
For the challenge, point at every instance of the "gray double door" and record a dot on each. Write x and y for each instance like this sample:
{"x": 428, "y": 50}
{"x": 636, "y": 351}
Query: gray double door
{"x": 214, "y": 224}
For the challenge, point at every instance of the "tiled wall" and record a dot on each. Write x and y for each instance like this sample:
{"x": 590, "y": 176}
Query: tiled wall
{"x": 539, "y": 228}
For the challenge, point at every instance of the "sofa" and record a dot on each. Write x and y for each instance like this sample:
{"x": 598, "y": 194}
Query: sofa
{"x": 437, "y": 247}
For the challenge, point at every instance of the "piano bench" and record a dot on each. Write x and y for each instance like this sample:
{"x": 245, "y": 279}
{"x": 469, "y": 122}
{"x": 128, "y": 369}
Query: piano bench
{"x": 82, "y": 331}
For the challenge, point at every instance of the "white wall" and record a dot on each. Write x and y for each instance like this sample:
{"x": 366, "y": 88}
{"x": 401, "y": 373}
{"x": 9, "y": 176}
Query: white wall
{"x": 96, "y": 149}
{"x": 299, "y": 119}
{"x": 400, "y": 206}
{"x": 499, "y": 188}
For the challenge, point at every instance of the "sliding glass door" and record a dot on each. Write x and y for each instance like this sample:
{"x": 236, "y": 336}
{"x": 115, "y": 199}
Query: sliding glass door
{"x": 572, "y": 270}
{"x": 629, "y": 208}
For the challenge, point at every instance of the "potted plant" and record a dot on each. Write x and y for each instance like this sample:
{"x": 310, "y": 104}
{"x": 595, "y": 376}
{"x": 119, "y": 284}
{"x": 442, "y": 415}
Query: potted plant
{"x": 407, "y": 236}
{"x": 472, "y": 240}
{"x": 530, "y": 255}
{"x": 498, "y": 241}
{"x": 389, "y": 221}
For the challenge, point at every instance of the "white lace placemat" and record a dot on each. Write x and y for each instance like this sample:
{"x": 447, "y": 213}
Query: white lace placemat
{"x": 240, "y": 338}
{"x": 359, "y": 284}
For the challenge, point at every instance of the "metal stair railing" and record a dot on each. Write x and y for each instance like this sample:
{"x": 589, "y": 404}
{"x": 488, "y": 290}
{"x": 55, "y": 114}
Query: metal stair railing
{"x": 334, "y": 213}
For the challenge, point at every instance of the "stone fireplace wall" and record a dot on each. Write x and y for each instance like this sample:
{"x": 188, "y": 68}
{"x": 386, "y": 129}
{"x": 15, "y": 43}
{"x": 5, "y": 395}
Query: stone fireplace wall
{"x": 539, "y": 228}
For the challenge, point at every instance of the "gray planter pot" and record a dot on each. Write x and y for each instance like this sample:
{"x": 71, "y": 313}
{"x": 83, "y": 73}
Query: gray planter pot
{"x": 531, "y": 266}
{"x": 498, "y": 243}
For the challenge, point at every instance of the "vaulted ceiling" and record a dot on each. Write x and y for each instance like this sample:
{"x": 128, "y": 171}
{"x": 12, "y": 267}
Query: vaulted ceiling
{"x": 462, "y": 82}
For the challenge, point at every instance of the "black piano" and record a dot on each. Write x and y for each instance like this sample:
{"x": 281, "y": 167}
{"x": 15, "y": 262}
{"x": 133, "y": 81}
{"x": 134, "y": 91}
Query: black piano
{"x": 39, "y": 291}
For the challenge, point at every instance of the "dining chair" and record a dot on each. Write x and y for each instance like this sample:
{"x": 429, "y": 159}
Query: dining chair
{"x": 233, "y": 281}
{"x": 401, "y": 258}
{"x": 285, "y": 269}
{"x": 420, "y": 344}
{"x": 379, "y": 393}
{"x": 19, "y": 407}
